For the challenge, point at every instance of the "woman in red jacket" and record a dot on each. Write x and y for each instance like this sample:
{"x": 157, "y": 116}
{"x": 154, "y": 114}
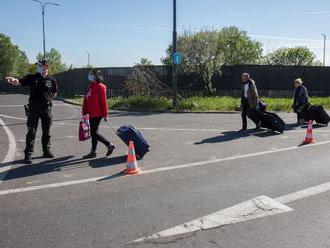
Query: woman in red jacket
{"x": 96, "y": 105}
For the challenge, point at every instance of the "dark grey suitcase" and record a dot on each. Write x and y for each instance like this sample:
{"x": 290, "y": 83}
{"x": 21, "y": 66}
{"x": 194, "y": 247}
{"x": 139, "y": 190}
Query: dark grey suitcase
{"x": 272, "y": 121}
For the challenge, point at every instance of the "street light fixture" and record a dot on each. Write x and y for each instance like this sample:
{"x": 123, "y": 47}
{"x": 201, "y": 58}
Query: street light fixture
{"x": 324, "y": 43}
{"x": 43, "y": 6}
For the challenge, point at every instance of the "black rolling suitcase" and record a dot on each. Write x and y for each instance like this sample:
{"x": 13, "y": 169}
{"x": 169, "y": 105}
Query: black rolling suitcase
{"x": 318, "y": 114}
{"x": 272, "y": 121}
{"x": 129, "y": 133}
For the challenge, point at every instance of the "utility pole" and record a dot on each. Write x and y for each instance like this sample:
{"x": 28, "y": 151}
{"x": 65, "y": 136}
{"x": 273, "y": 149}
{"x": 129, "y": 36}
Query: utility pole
{"x": 43, "y": 6}
{"x": 324, "y": 44}
{"x": 174, "y": 68}
{"x": 89, "y": 59}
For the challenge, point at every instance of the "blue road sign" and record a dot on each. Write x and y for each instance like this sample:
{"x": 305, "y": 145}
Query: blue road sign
{"x": 177, "y": 58}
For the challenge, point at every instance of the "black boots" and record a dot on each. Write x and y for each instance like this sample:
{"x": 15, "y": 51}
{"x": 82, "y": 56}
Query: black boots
{"x": 111, "y": 147}
{"x": 27, "y": 159}
{"x": 47, "y": 154}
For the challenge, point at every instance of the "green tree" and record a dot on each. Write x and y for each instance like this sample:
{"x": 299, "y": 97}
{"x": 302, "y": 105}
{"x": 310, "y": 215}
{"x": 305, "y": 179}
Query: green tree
{"x": 236, "y": 47}
{"x": 54, "y": 60}
{"x": 301, "y": 56}
{"x": 144, "y": 62}
{"x": 13, "y": 61}
{"x": 206, "y": 51}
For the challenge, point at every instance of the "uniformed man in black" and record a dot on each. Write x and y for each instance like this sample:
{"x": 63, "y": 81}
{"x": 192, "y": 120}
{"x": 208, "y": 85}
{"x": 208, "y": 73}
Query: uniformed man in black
{"x": 43, "y": 88}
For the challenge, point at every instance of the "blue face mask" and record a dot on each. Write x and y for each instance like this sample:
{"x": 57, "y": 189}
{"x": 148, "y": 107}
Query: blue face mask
{"x": 91, "y": 77}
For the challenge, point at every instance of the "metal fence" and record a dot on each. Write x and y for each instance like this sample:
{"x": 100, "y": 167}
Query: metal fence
{"x": 274, "y": 81}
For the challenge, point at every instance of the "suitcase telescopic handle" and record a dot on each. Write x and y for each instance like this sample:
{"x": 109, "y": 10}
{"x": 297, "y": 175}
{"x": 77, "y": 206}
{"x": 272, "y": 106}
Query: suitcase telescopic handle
{"x": 111, "y": 126}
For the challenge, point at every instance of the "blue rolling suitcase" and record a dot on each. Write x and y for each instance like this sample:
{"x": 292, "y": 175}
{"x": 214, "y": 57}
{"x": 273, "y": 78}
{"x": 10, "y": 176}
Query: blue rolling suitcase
{"x": 129, "y": 133}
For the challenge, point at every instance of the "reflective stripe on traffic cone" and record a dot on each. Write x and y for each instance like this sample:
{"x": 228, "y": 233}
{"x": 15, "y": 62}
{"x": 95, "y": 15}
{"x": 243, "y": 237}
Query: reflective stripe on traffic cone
{"x": 131, "y": 165}
{"x": 309, "y": 134}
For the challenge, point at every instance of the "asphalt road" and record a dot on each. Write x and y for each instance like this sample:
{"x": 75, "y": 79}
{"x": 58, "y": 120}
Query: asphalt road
{"x": 198, "y": 165}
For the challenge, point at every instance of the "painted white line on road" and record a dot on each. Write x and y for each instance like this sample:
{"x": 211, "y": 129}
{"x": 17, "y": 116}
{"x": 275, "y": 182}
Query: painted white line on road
{"x": 10, "y": 157}
{"x": 57, "y": 138}
{"x": 12, "y": 117}
{"x": 183, "y": 166}
{"x": 304, "y": 193}
{"x": 48, "y": 186}
{"x": 173, "y": 129}
{"x": 163, "y": 169}
{"x": 258, "y": 207}
{"x": 18, "y": 105}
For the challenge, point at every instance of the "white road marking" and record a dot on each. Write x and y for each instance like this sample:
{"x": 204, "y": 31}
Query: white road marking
{"x": 12, "y": 117}
{"x": 175, "y": 167}
{"x": 175, "y": 129}
{"x": 258, "y": 207}
{"x": 10, "y": 157}
{"x": 304, "y": 193}
{"x": 57, "y": 138}
{"x": 48, "y": 186}
{"x": 18, "y": 105}
{"x": 169, "y": 168}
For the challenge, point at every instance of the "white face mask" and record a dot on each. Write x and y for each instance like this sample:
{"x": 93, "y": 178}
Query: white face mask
{"x": 40, "y": 69}
{"x": 90, "y": 77}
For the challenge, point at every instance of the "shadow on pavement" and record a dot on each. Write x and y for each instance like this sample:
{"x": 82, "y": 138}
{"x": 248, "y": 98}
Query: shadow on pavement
{"x": 57, "y": 164}
{"x": 103, "y": 162}
{"x": 226, "y": 136}
{"x": 119, "y": 174}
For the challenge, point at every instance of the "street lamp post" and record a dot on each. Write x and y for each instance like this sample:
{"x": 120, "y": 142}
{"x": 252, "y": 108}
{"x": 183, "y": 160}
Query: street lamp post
{"x": 324, "y": 44}
{"x": 89, "y": 59}
{"x": 43, "y": 6}
{"x": 174, "y": 69}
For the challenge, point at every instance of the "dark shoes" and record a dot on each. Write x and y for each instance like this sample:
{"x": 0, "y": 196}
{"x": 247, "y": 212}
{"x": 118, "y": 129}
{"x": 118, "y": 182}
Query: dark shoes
{"x": 258, "y": 126}
{"x": 27, "y": 159}
{"x": 47, "y": 154}
{"x": 242, "y": 130}
{"x": 110, "y": 150}
{"x": 93, "y": 154}
{"x": 90, "y": 155}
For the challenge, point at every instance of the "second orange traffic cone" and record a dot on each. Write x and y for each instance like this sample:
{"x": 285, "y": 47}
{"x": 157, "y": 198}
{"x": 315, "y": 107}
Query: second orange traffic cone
{"x": 309, "y": 134}
{"x": 131, "y": 165}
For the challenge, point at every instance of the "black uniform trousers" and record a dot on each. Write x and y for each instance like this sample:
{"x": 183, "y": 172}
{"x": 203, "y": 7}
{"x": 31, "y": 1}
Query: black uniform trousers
{"x": 36, "y": 112}
{"x": 248, "y": 112}
{"x": 94, "y": 127}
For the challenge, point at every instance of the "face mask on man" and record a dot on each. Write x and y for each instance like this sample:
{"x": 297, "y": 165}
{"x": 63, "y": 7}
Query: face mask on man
{"x": 40, "y": 69}
{"x": 91, "y": 77}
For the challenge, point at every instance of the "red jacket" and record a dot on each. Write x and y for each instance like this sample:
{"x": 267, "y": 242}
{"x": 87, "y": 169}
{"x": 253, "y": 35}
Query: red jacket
{"x": 95, "y": 101}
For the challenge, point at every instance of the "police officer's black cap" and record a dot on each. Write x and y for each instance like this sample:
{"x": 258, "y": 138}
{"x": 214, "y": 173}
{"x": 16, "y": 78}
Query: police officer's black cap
{"x": 42, "y": 62}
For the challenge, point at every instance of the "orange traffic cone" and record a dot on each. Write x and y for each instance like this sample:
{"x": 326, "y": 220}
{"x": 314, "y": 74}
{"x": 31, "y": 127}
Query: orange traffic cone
{"x": 309, "y": 134}
{"x": 131, "y": 165}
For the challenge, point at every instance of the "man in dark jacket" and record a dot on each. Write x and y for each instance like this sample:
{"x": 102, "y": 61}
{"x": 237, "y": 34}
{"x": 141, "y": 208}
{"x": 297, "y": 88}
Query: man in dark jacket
{"x": 300, "y": 102}
{"x": 249, "y": 102}
{"x": 43, "y": 88}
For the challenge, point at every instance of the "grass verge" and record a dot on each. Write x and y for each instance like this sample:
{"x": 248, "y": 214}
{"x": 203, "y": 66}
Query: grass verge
{"x": 198, "y": 104}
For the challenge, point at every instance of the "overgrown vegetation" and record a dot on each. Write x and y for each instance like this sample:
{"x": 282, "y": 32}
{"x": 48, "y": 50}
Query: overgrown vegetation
{"x": 198, "y": 104}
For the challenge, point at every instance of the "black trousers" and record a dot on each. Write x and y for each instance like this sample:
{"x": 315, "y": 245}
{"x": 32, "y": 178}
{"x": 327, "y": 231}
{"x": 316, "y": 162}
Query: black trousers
{"x": 44, "y": 113}
{"x": 94, "y": 127}
{"x": 248, "y": 112}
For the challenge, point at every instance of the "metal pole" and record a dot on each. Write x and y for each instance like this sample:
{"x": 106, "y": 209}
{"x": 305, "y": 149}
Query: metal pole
{"x": 43, "y": 30}
{"x": 89, "y": 59}
{"x": 174, "y": 73}
{"x": 43, "y": 6}
{"x": 324, "y": 44}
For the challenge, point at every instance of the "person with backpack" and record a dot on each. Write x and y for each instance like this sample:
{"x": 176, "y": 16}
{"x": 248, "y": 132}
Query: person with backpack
{"x": 96, "y": 106}
{"x": 300, "y": 102}
{"x": 249, "y": 102}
